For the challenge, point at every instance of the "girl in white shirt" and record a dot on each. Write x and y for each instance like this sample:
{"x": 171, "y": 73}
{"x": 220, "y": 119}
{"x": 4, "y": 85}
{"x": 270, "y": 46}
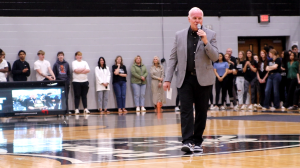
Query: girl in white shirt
{"x": 102, "y": 74}
{"x": 80, "y": 81}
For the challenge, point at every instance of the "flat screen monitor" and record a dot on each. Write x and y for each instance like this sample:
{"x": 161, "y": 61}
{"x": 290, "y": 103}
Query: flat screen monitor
{"x": 33, "y": 98}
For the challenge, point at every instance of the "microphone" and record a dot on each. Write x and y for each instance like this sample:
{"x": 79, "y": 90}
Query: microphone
{"x": 199, "y": 26}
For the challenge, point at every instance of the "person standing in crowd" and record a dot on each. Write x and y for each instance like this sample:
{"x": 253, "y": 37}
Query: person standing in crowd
{"x": 256, "y": 59}
{"x": 296, "y": 94}
{"x": 221, "y": 71}
{"x": 119, "y": 83}
{"x": 9, "y": 67}
{"x": 292, "y": 80}
{"x": 250, "y": 78}
{"x": 80, "y": 82}
{"x": 193, "y": 52}
{"x": 157, "y": 75}
{"x": 103, "y": 76}
{"x": 138, "y": 83}
{"x": 283, "y": 83}
{"x": 230, "y": 85}
{"x": 274, "y": 69}
{"x": 43, "y": 68}
{"x": 240, "y": 80}
{"x": 21, "y": 68}
{"x": 296, "y": 51}
{"x": 61, "y": 70}
{"x": 3, "y": 68}
{"x": 262, "y": 76}
{"x": 233, "y": 60}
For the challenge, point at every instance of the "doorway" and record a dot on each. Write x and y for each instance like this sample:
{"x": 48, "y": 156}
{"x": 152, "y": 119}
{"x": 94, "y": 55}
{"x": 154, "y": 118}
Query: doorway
{"x": 258, "y": 43}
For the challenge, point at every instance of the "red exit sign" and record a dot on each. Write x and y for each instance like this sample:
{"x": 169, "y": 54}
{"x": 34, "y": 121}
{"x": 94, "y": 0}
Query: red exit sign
{"x": 264, "y": 19}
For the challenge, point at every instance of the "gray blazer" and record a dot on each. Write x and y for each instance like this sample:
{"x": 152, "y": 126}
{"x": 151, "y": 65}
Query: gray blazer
{"x": 203, "y": 58}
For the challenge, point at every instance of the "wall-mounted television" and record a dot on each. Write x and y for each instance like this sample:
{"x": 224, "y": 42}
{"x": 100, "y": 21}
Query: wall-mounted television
{"x": 33, "y": 98}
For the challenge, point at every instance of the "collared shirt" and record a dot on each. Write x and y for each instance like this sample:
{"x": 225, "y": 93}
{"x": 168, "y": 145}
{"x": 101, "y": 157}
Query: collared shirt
{"x": 192, "y": 41}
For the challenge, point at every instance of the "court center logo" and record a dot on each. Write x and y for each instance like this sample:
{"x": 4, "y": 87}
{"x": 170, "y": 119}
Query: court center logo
{"x": 109, "y": 150}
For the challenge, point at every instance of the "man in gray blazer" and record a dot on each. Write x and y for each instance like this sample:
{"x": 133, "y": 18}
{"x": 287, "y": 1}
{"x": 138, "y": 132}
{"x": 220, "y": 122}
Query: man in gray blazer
{"x": 193, "y": 53}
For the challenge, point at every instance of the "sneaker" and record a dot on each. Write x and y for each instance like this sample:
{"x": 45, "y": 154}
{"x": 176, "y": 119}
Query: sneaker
{"x": 243, "y": 107}
{"x": 293, "y": 108}
{"x": 198, "y": 148}
{"x": 143, "y": 109}
{"x": 76, "y": 111}
{"x": 231, "y": 105}
{"x": 250, "y": 107}
{"x": 255, "y": 105}
{"x": 283, "y": 108}
{"x": 86, "y": 111}
{"x": 177, "y": 109}
{"x": 211, "y": 107}
{"x": 187, "y": 148}
{"x": 216, "y": 108}
{"x": 138, "y": 109}
{"x": 259, "y": 106}
{"x": 264, "y": 109}
{"x": 272, "y": 108}
{"x": 222, "y": 108}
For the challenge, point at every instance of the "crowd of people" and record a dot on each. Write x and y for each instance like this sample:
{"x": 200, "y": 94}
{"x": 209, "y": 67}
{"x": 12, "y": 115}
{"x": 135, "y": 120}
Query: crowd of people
{"x": 80, "y": 68}
{"x": 270, "y": 77}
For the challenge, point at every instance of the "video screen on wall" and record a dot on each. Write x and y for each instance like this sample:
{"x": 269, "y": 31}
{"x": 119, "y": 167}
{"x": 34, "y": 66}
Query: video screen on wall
{"x": 31, "y": 99}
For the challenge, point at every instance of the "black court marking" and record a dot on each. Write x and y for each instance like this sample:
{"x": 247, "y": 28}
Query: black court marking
{"x": 264, "y": 117}
{"x": 123, "y": 149}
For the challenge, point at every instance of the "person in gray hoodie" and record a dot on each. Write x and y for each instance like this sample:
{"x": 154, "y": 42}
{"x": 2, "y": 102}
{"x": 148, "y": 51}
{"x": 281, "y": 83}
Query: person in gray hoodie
{"x": 61, "y": 70}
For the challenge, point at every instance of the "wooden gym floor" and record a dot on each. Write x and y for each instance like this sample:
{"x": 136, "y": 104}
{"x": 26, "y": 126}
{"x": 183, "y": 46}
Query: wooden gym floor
{"x": 242, "y": 139}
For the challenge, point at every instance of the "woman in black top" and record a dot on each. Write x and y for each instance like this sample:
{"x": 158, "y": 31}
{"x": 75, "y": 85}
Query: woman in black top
{"x": 283, "y": 83}
{"x": 119, "y": 83}
{"x": 262, "y": 76}
{"x": 250, "y": 77}
{"x": 230, "y": 75}
{"x": 240, "y": 78}
{"x": 274, "y": 69}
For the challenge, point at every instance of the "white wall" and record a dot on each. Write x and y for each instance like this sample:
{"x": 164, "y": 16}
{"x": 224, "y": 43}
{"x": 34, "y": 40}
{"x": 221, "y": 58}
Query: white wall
{"x": 125, "y": 36}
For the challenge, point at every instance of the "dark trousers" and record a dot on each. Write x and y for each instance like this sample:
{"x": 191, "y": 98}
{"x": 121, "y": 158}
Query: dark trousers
{"x": 262, "y": 87}
{"x": 291, "y": 87}
{"x": 221, "y": 85}
{"x": 80, "y": 90}
{"x": 66, "y": 98}
{"x": 120, "y": 92}
{"x": 231, "y": 90}
{"x": 191, "y": 92}
{"x": 296, "y": 97}
{"x": 283, "y": 89}
{"x": 272, "y": 86}
{"x": 177, "y": 98}
{"x": 211, "y": 98}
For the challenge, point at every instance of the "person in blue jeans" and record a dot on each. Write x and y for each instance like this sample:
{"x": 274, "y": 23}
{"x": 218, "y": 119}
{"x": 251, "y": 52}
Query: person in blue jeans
{"x": 273, "y": 80}
{"x": 138, "y": 82}
{"x": 119, "y": 83}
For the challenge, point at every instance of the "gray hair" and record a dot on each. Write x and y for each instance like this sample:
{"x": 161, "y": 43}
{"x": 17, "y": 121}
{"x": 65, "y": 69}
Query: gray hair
{"x": 195, "y": 9}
